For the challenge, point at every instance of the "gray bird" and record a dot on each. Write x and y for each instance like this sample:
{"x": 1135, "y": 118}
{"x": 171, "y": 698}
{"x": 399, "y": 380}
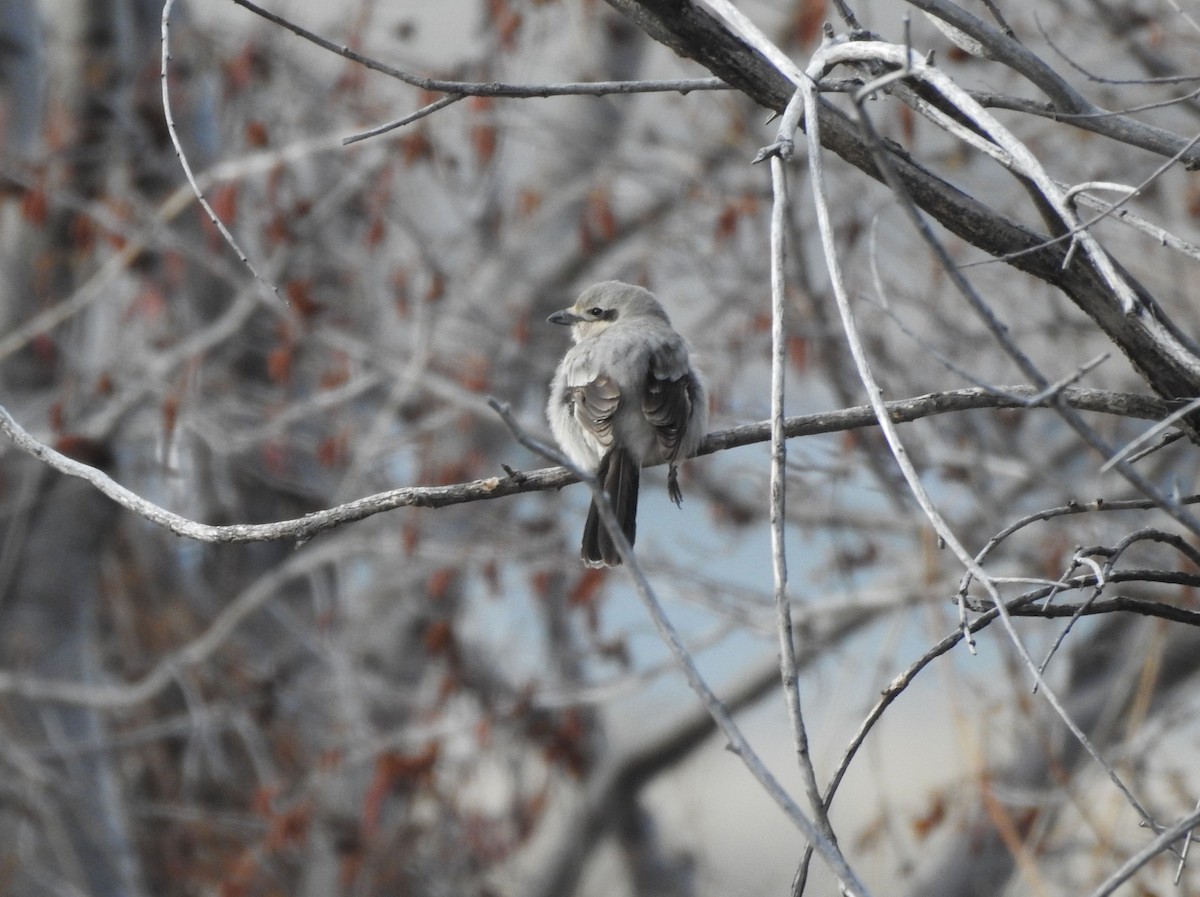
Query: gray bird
{"x": 624, "y": 396}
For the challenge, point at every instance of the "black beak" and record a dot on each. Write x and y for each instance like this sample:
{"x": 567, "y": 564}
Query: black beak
{"x": 566, "y": 316}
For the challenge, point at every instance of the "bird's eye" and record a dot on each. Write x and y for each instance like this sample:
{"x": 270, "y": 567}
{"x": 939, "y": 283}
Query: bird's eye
{"x": 596, "y": 312}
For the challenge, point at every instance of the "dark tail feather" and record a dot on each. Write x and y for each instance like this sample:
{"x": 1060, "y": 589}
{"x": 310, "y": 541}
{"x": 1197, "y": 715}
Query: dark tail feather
{"x": 619, "y": 475}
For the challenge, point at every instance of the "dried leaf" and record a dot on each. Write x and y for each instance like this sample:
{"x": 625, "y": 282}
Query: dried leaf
{"x": 797, "y": 350}
{"x": 415, "y": 147}
{"x": 35, "y": 206}
{"x": 808, "y": 18}
{"x": 484, "y": 140}
{"x": 299, "y": 294}
{"x": 925, "y": 824}
{"x": 279, "y": 363}
{"x": 256, "y": 134}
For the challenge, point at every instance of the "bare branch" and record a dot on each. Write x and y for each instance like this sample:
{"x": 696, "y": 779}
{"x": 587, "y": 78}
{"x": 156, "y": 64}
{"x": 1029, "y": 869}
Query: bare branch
{"x": 490, "y": 88}
{"x": 299, "y": 529}
{"x": 817, "y": 66}
{"x": 186, "y": 165}
{"x": 1164, "y": 842}
{"x": 683, "y": 658}
{"x": 788, "y": 668}
{"x": 177, "y": 663}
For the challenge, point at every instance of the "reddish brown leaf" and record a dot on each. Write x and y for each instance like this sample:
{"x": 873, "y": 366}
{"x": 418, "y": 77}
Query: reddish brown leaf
{"x": 34, "y": 206}
{"x": 400, "y": 297}
{"x": 727, "y": 222}
{"x": 377, "y": 792}
{"x": 410, "y": 536}
{"x": 170, "y": 414}
{"x": 241, "y": 69}
{"x": 289, "y": 828}
{"x": 925, "y": 824}
{"x": 490, "y": 571}
{"x": 81, "y": 448}
{"x": 530, "y": 811}
{"x": 438, "y": 637}
{"x": 82, "y": 233}
{"x": 450, "y": 685}
{"x": 616, "y": 650}
{"x": 338, "y": 372}
{"x": 410, "y": 769}
{"x": 483, "y": 732}
{"x": 601, "y": 214}
{"x": 473, "y": 374}
{"x": 275, "y": 456}
{"x": 256, "y": 134}
{"x": 797, "y": 350}
{"x": 241, "y": 873}
{"x": 278, "y": 230}
{"x": 483, "y": 141}
{"x": 223, "y": 200}
{"x": 528, "y": 202}
{"x": 439, "y": 582}
{"x": 415, "y": 147}
{"x": 149, "y": 304}
{"x": 262, "y": 802}
{"x": 331, "y": 760}
{"x": 437, "y": 287}
{"x": 45, "y": 348}
{"x": 279, "y": 363}
{"x": 565, "y": 744}
{"x": 505, "y": 21}
{"x": 587, "y": 587}
{"x": 351, "y": 80}
{"x": 331, "y": 451}
{"x": 807, "y": 19}
{"x": 376, "y": 231}
{"x": 908, "y": 123}
{"x": 299, "y": 294}
{"x": 520, "y": 331}
{"x": 1193, "y": 198}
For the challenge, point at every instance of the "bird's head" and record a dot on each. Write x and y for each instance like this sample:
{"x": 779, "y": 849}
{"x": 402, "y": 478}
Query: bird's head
{"x": 604, "y": 304}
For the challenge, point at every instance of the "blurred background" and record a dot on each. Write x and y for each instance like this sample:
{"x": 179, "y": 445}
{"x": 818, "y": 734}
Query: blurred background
{"x": 443, "y": 701}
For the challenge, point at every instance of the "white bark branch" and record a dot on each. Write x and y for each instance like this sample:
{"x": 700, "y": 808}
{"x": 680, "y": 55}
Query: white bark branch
{"x": 301, "y": 528}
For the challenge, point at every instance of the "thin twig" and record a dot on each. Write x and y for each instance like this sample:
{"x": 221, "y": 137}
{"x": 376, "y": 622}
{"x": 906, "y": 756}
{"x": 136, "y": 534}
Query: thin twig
{"x": 670, "y": 636}
{"x": 301, "y": 528}
{"x": 1163, "y": 843}
{"x": 818, "y": 65}
{"x": 1073, "y": 231}
{"x": 489, "y": 88}
{"x": 850, "y": 329}
{"x": 428, "y": 109}
{"x": 788, "y": 669}
{"x": 1150, "y": 433}
{"x": 187, "y": 167}
{"x": 170, "y": 668}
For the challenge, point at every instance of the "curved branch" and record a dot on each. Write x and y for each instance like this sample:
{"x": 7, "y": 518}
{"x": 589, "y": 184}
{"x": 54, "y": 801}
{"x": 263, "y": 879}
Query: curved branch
{"x": 1155, "y": 346}
{"x": 488, "y": 88}
{"x": 302, "y": 528}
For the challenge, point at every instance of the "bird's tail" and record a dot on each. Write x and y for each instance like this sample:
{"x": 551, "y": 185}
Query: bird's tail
{"x": 619, "y": 474}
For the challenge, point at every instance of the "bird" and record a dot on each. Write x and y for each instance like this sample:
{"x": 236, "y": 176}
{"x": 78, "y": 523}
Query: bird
{"x": 626, "y": 394}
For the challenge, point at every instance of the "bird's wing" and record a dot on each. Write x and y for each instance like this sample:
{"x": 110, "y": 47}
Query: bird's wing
{"x": 594, "y": 405}
{"x": 668, "y": 399}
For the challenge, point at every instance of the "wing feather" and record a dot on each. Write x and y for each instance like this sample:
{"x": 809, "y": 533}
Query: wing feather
{"x": 594, "y": 405}
{"x": 670, "y": 393}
